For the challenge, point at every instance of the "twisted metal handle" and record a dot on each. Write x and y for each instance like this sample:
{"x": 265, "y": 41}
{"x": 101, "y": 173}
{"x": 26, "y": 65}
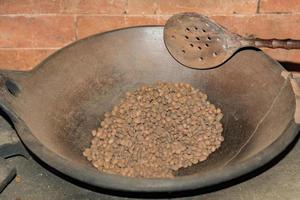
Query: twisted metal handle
{"x": 274, "y": 43}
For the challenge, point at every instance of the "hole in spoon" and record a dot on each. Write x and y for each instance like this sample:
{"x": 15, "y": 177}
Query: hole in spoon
{"x": 183, "y": 51}
{"x": 207, "y": 45}
{"x": 196, "y": 28}
{"x": 199, "y": 48}
{"x": 215, "y": 54}
{"x": 200, "y": 58}
{"x": 186, "y": 37}
{"x": 203, "y": 30}
{"x": 197, "y": 38}
{"x": 188, "y": 29}
{"x": 209, "y": 38}
{"x": 191, "y": 45}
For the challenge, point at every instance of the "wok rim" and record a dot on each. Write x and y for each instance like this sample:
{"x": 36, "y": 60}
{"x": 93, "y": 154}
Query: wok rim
{"x": 115, "y": 182}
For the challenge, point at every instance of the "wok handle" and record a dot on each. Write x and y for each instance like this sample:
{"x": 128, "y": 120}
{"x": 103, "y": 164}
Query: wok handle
{"x": 11, "y": 82}
{"x": 274, "y": 43}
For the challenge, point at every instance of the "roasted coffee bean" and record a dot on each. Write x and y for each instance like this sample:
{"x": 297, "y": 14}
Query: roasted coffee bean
{"x": 156, "y": 130}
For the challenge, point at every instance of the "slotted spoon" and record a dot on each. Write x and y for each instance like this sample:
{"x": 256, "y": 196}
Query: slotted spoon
{"x": 198, "y": 42}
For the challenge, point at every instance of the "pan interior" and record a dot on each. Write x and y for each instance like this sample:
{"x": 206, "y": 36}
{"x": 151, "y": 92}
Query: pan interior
{"x": 65, "y": 98}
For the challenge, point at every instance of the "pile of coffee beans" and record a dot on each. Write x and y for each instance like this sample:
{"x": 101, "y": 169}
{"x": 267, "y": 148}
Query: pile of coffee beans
{"x": 156, "y": 130}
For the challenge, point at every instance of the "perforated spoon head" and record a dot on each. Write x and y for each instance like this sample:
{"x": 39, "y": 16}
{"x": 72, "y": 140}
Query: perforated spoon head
{"x": 198, "y": 42}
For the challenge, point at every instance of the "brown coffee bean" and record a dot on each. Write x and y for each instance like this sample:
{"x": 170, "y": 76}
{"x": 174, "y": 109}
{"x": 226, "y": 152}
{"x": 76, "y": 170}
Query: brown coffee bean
{"x": 156, "y": 130}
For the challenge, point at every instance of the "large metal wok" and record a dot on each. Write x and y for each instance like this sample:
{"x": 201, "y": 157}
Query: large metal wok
{"x": 55, "y": 106}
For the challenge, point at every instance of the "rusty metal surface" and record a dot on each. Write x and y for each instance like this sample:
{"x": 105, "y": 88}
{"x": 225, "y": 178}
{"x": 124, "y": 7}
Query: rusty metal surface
{"x": 55, "y": 106}
{"x": 272, "y": 43}
{"x": 196, "y": 41}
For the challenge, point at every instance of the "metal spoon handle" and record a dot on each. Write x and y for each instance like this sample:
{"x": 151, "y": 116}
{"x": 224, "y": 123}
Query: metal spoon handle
{"x": 274, "y": 43}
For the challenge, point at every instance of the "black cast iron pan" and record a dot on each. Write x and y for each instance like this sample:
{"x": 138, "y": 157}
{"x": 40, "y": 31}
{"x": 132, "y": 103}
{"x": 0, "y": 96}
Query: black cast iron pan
{"x": 55, "y": 106}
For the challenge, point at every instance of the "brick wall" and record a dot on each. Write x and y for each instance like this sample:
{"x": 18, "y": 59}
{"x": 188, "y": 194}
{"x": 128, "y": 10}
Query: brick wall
{"x": 30, "y": 30}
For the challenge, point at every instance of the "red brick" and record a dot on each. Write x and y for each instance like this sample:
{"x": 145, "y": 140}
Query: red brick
{"x": 207, "y": 6}
{"x": 142, "y": 6}
{"x": 38, "y": 31}
{"x": 269, "y": 6}
{"x": 265, "y": 26}
{"x": 94, "y": 6}
{"x": 29, "y": 6}
{"x": 22, "y": 59}
{"x": 141, "y": 20}
{"x": 89, "y": 25}
{"x": 284, "y": 55}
